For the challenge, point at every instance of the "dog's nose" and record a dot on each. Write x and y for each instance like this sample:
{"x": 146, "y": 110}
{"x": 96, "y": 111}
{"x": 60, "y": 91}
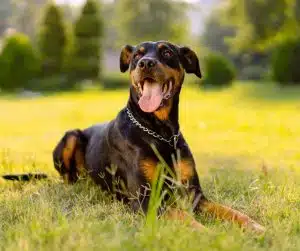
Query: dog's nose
{"x": 147, "y": 63}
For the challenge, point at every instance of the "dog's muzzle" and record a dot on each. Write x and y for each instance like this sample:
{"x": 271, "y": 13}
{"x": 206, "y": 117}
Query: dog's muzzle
{"x": 153, "y": 94}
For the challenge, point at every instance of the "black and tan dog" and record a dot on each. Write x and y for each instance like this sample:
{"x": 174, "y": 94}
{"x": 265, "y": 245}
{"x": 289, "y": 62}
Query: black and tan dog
{"x": 150, "y": 118}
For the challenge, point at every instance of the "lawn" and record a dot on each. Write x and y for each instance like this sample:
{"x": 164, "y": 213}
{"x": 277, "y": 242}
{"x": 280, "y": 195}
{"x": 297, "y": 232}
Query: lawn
{"x": 245, "y": 140}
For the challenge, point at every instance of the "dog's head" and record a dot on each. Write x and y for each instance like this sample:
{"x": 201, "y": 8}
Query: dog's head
{"x": 157, "y": 71}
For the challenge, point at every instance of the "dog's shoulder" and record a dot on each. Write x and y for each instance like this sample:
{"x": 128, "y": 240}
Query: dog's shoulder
{"x": 96, "y": 130}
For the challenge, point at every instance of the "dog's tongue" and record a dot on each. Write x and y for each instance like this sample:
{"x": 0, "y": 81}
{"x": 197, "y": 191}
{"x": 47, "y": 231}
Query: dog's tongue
{"x": 151, "y": 96}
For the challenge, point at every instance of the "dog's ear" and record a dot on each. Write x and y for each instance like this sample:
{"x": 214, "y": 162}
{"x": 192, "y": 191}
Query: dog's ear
{"x": 125, "y": 57}
{"x": 189, "y": 61}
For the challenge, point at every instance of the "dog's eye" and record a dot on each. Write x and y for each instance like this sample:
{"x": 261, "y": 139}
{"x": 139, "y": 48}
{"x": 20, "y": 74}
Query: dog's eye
{"x": 167, "y": 53}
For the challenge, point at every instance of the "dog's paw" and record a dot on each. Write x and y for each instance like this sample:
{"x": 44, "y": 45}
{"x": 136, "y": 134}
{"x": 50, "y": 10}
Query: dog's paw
{"x": 256, "y": 227}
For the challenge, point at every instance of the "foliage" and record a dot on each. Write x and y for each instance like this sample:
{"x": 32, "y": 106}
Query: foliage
{"x": 52, "y": 41}
{"x": 115, "y": 80}
{"x": 262, "y": 24}
{"x": 19, "y": 63}
{"x": 219, "y": 71}
{"x": 153, "y": 20}
{"x": 286, "y": 62}
{"x": 88, "y": 32}
{"x": 50, "y": 84}
{"x": 216, "y": 33}
{"x": 250, "y": 65}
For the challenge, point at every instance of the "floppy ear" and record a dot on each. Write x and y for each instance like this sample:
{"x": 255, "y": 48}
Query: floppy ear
{"x": 189, "y": 61}
{"x": 125, "y": 57}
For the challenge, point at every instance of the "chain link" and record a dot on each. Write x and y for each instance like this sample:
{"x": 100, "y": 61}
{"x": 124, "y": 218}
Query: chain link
{"x": 172, "y": 141}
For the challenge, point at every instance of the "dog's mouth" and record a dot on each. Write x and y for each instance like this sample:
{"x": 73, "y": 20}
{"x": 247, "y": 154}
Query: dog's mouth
{"x": 153, "y": 94}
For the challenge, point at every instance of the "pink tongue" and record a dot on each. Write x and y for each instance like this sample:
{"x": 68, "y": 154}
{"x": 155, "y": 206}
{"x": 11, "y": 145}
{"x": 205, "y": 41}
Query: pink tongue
{"x": 151, "y": 97}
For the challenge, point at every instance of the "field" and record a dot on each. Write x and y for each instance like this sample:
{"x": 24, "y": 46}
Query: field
{"x": 245, "y": 140}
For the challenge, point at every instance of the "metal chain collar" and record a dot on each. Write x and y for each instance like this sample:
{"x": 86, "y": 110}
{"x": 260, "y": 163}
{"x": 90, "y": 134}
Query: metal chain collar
{"x": 172, "y": 141}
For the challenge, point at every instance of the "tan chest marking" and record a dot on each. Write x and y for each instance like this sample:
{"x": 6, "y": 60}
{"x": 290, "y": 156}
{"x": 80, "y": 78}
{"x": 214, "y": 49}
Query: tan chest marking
{"x": 184, "y": 170}
{"x": 69, "y": 150}
{"x": 148, "y": 167}
{"x": 163, "y": 112}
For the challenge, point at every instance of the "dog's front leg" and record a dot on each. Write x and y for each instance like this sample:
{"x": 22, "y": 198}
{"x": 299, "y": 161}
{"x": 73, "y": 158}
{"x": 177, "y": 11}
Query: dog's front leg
{"x": 226, "y": 213}
{"x": 184, "y": 217}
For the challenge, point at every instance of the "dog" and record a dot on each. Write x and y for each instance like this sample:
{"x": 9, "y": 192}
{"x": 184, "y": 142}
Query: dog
{"x": 125, "y": 149}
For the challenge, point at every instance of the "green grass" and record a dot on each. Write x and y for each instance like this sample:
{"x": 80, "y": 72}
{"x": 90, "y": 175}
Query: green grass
{"x": 246, "y": 144}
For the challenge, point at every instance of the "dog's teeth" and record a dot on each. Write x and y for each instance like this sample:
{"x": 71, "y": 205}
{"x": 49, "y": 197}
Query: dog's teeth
{"x": 164, "y": 88}
{"x": 170, "y": 86}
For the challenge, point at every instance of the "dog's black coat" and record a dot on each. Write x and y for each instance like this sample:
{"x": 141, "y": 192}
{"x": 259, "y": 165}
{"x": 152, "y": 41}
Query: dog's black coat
{"x": 120, "y": 143}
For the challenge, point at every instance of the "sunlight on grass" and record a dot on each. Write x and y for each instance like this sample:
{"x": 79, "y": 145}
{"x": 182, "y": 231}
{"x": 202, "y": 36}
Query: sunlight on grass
{"x": 245, "y": 141}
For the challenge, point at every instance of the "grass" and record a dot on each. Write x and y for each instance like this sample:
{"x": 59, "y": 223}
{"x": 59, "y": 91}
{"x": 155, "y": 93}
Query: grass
{"x": 246, "y": 144}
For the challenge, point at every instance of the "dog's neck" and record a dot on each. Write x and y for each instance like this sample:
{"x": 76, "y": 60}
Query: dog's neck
{"x": 166, "y": 128}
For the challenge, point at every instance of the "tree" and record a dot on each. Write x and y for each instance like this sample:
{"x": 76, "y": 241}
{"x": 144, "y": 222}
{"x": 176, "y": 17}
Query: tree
{"x": 263, "y": 24}
{"x": 88, "y": 32}
{"x": 19, "y": 62}
{"x": 216, "y": 33}
{"x": 285, "y": 62}
{"x": 220, "y": 72}
{"x": 150, "y": 20}
{"x": 52, "y": 41}
{"x": 250, "y": 65}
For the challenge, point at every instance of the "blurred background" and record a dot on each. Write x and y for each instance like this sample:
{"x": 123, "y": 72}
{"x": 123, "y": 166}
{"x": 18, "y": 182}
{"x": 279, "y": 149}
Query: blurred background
{"x": 62, "y": 44}
{"x": 59, "y": 70}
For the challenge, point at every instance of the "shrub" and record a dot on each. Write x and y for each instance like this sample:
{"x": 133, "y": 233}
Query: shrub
{"x": 52, "y": 41}
{"x": 49, "y": 84}
{"x": 2, "y": 67}
{"x": 88, "y": 30}
{"x": 286, "y": 61}
{"x": 115, "y": 80}
{"x": 219, "y": 71}
{"x": 19, "y": 63}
